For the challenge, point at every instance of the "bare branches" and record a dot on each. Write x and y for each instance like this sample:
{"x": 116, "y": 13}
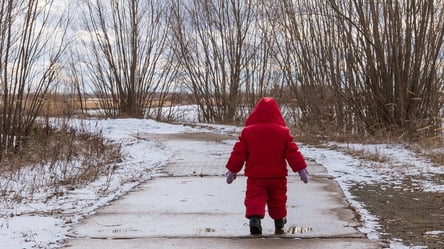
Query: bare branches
{"x": 218, "y": 48}
{"x": 129, "y": 61}
{"x": 398, "y": 74}
{"x": 353, "y": 67}
{"x": 32, "y": 42}
{"x": 362, "y": 66}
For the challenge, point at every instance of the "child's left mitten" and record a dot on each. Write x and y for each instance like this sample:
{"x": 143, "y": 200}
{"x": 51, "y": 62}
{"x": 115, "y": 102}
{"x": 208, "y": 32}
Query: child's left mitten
{"x": 304, "y": 175}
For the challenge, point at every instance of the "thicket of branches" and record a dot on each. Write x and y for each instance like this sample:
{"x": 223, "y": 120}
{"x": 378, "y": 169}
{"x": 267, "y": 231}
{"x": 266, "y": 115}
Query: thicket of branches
{"x": 29, "y": 66}
{"x": 127, "y": 62}
{"x": 392, "y": 77}
{"x": 351, "y": 67}
{"x": 223, "y": 50}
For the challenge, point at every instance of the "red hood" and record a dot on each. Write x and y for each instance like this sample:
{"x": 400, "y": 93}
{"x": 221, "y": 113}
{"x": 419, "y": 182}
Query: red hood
{"x": 266, "y": 111}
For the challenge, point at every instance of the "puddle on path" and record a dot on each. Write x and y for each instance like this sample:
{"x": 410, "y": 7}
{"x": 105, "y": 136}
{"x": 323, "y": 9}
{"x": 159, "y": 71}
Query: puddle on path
{"x": 207, "y": 230}
{"x": 296, "y": 229}
{"x": 288, "y": 230}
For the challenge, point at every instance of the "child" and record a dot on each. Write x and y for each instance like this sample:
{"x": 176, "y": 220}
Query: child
{"x": 265, "y": 145}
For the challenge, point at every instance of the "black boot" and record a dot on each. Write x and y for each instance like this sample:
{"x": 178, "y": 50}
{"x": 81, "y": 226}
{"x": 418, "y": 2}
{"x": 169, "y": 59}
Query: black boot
{"x": 279, "y": 226}
{"x": 255, "y": 225}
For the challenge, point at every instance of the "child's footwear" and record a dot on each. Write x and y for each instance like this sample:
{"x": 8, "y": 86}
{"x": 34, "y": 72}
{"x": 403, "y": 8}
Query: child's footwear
{"x": 255, "y": 225}
{"x": 279, "y": 226}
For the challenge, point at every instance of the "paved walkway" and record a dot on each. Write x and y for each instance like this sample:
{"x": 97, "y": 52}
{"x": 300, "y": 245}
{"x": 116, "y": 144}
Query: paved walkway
{"x": 191, "y": 206}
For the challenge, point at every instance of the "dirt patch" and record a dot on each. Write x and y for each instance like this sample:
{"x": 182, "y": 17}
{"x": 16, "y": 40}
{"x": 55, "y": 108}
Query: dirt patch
{"x": 414, "y": 216}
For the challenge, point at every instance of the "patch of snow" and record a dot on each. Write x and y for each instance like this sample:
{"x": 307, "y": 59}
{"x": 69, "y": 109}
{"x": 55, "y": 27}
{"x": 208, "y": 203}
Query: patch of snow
{"x": 348, "y": 171}
{"x": 434, "y": 233}
{"x": 45, "y": 223}
{"x": 32, "y": 232}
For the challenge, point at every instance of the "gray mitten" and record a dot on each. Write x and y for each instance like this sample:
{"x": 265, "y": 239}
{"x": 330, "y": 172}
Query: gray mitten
{"x": 304, "y": 175}
{"x": 230, "y": 176}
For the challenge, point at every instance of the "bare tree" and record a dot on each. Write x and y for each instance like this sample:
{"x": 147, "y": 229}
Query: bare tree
{"x": 128, "y": 63}
{"x": 263, "y": 77}
{"x": 217, "y": 49}
{"x": 399, "y": 75}
{"x": 32, "y": 41}
{"x": 77, "y": 81}
{"x": 371, "y": 67}
{"x": 305, "y": 46}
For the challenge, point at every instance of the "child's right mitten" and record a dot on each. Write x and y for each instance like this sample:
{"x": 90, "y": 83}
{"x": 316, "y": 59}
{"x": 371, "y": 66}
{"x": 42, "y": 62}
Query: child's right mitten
{"x": 231, "y": 176}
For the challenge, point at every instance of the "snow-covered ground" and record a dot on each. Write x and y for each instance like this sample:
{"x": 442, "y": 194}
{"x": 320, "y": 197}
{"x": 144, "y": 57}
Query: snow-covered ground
{"x": 42, "y": 223}
{"x": 399, "y": 163}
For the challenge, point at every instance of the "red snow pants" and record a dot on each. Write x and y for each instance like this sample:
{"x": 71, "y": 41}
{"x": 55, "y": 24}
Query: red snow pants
{"x": 270, "y": 192}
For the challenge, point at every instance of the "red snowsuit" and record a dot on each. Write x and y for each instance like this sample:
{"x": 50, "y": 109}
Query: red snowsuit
{"x": 265, "y": 145}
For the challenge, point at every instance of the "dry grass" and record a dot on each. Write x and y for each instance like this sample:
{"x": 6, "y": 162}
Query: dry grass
{"x": 66, "y": 144}
{"x": 436, "y": 158}
{"x": 67, "y": 105}
{"x": 431, "y": 148}
{"x": 63, "y": 105}
{"x": 54, "y": 160}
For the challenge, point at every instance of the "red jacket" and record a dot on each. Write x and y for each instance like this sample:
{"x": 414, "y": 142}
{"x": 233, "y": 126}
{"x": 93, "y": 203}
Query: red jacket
{"x": 265, "y": 144}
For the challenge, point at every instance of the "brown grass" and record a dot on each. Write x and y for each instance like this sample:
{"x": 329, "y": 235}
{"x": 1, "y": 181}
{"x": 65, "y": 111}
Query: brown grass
{"x": 431, "y": 148}
{"x": 59, "y": 158}
{"x": 66, "y": 105}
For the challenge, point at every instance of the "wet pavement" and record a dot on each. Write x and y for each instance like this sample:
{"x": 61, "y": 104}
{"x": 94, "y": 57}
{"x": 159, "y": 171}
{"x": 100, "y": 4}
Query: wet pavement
{"x": 191, "y": 206}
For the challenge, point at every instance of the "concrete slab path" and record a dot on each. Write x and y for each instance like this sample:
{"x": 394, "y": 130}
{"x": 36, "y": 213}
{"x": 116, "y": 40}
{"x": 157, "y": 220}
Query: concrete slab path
{"x": 191, "y": 206}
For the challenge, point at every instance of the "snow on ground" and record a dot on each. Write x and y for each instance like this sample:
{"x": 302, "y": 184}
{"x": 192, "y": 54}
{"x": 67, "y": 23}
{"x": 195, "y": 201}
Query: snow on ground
{"x": 399, "y": 163}
{"x": 46, "y": 223}
{"x": 31, "y": 224}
